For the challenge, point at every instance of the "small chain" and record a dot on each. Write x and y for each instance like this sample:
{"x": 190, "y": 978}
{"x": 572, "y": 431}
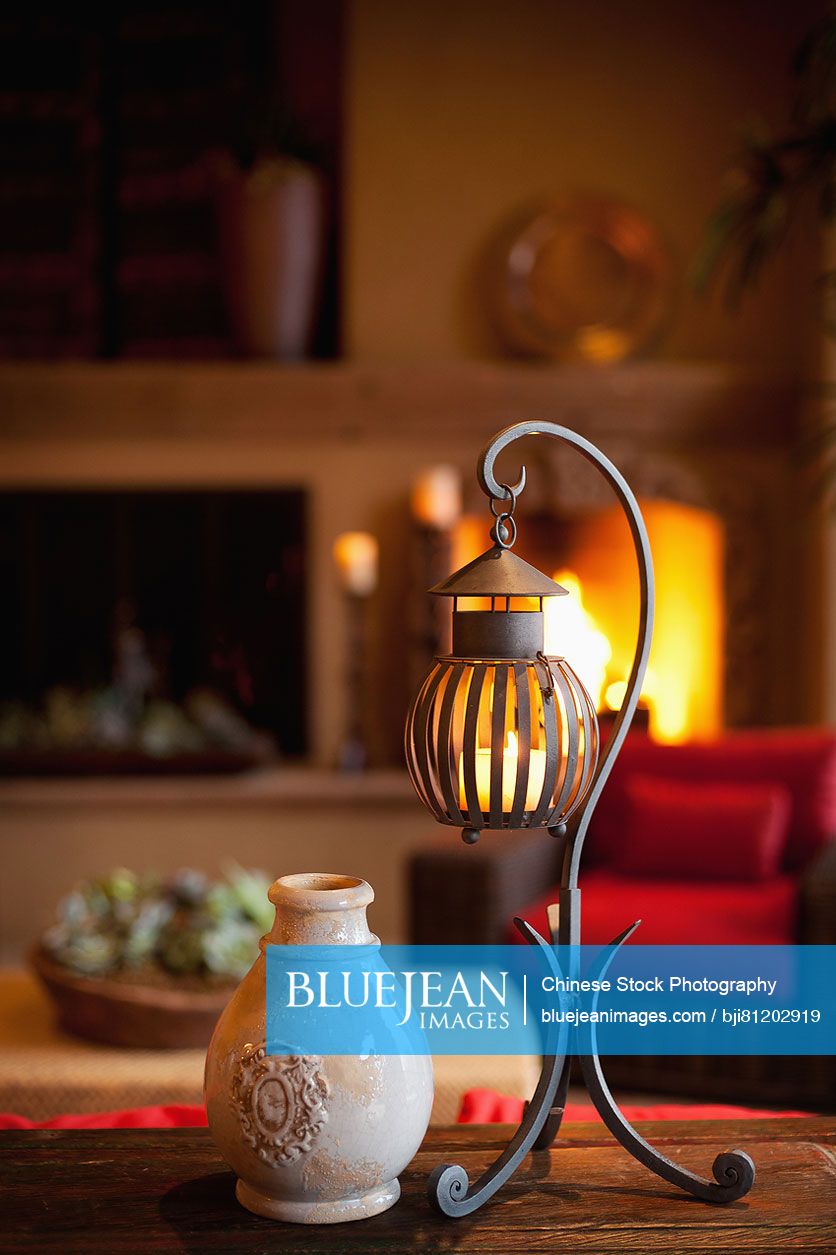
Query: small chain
{"x": 504, "y": 513}
{"x": 504, "y": 530}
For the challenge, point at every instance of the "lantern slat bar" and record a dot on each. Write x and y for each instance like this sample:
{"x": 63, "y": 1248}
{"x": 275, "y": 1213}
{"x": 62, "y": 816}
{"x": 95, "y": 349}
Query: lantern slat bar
{"x": 589, "y": 727}
{"x": 409, "y": 738}
{"x": 422, "y": 723}
{"x": 563, "y": 791}
{"x": 569, "y": 793}
{"x": 500, "y": 689}
{"x": 471, "y": 723}
{"x": 574, "y": 712}
{"x": 523, "y": 708}
{"x": 432, "y": 730}
{"x": 564, "y": 740}
{"x": 420, "y": 766}
{"x": 591, "y": 744}
{"x": 457, "y": 729}
{"x": 433, "y": 762}
{"x": 448, "y": 764}
{"x": 550, "y": 727}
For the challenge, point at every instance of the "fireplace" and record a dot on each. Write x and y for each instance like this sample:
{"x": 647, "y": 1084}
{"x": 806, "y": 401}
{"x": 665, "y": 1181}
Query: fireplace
{"x": 152, "y": 630}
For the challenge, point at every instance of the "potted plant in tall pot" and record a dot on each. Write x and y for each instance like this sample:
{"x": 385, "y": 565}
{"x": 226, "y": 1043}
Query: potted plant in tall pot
{"x": 271, "y": 218}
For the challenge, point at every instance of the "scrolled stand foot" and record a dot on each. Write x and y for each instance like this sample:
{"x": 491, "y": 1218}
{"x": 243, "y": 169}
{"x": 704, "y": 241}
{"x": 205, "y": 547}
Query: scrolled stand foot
{"x": 447, "y": 1187}
{"x": 734, "y": 1172}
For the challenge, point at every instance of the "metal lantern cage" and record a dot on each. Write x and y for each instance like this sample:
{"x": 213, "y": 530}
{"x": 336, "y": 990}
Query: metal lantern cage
{"x": 501, "y": 736}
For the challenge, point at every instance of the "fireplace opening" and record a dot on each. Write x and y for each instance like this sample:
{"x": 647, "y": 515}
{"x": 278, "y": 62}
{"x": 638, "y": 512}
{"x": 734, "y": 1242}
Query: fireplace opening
{"x": 152, "y": 630}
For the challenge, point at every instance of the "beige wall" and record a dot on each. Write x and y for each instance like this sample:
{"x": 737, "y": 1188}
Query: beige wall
{"x": 460, "y": 111}
{"x": 59, "y": 837}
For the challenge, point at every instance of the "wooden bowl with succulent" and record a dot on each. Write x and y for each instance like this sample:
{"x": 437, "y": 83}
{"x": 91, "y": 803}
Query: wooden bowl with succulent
{"x": 137, "y": 961}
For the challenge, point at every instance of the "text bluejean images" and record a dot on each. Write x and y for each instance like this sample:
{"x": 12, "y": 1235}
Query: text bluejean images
{"x": 670, "y": 1000}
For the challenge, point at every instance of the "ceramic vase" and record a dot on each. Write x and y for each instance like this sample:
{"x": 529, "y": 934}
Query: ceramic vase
{"x": 312, "y": 1139}
{"x": 271, "y": 231}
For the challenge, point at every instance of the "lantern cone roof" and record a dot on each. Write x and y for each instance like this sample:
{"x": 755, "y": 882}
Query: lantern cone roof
{"x": 498, "y": 573}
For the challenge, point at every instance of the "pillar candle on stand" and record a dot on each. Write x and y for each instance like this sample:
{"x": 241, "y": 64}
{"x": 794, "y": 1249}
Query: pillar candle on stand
{"x": 436, "y": 506}
{"x": 437, "y": 497}
{"x": 355, "y": 555}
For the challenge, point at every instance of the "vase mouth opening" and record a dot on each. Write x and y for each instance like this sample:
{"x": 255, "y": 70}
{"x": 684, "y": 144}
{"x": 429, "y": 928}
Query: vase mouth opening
{"x": 323, "y": 891}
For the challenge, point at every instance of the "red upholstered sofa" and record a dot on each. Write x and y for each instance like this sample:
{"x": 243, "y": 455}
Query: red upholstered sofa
{"x": 729, "y": 842}
{"x": 709, "y": 843}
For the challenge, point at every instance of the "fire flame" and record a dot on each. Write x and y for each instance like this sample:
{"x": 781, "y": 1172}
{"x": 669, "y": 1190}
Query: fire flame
{"x": 572, "y": 633}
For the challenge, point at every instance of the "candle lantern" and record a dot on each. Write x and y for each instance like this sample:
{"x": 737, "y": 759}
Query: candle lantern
{"x": 501, "y": 736}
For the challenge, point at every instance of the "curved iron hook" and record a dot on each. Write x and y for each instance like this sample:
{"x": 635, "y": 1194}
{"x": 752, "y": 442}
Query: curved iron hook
{"x": 496, "y": 490}
{"x": 734, "y": 1170}
{"x": 448, "y": 1185}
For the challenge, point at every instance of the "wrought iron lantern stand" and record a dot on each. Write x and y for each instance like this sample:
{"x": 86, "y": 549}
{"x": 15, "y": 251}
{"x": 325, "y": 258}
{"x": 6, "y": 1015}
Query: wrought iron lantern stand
{"x": 498, "y": 683}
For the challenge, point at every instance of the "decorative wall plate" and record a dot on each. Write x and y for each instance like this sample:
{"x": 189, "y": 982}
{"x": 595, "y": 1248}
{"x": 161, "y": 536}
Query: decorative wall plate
{"x": 579, "y": 279}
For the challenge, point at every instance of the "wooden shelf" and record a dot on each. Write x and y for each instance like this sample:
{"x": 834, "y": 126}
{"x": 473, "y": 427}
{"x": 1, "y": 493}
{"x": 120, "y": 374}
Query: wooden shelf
{"x": 673, "y": 402}
{"x": 285, "y": 786}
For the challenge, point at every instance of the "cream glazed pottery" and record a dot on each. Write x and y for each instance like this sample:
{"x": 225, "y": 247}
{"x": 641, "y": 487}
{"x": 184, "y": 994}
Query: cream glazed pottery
{"x": 312, "y": 1139}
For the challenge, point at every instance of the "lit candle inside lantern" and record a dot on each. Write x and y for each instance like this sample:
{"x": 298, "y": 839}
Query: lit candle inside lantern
{"x": 437, "y": 497}
{"x": 355, "y": 554}
{"x": 510, "y": 757}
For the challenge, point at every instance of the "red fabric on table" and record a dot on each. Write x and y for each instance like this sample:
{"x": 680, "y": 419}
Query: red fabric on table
{"x": 479, "y": 1106}
{"x": 678, "y": 912}
{"x": 684, "y": 829}
{"x": 803, "y": 760}
{"x": 485, "y": 1106}
{"x": 175, "y": 1116}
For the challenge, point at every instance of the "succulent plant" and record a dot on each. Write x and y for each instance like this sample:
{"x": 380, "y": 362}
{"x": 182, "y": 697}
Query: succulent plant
{"x": 228, "y": 947}
{"x": 185, "y": 925}
{"x": 105, "y": 719}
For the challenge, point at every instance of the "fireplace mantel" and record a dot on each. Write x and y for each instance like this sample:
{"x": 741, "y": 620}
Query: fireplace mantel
{"x": 181, "y": 403}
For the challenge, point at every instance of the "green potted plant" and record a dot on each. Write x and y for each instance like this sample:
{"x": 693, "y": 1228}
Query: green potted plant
{"x": 137, "y": 961}
{"x": 773, "y": 181}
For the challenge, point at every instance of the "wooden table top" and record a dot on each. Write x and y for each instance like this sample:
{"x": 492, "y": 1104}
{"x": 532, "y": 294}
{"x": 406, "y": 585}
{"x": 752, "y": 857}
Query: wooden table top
{"x": 168, "y": 1191}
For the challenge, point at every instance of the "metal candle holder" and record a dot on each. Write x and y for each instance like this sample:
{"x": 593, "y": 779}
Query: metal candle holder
{"x": 501, "y": 736}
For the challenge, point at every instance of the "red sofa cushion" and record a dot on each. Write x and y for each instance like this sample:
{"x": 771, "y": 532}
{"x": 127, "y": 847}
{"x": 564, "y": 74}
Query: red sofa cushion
{"x": 678, "y": 912}
{"x": 484, "y": 1106}
{"x": 174, "y": 1116}
{"x": 803, "y": 760}
{"x": 689, "y": 830}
